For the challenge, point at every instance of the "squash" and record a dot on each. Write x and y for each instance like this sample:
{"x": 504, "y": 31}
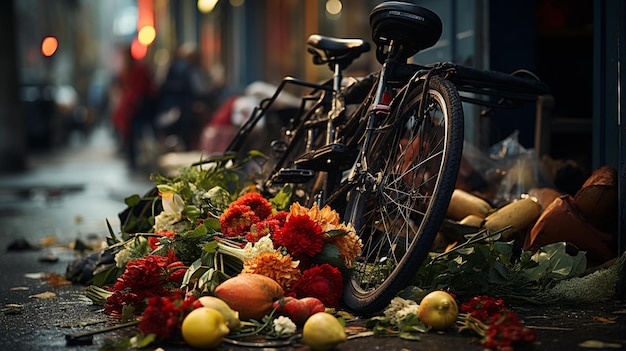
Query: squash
{"x": 520, "y": 215}
{"x": 597, "y": 199}
{"x": 252, "y": 295}
{"x": 463, "y": 204}
{"x": 472, "y": 221}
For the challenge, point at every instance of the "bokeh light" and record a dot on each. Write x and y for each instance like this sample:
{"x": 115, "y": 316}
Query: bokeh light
{"x": 334, "y": 7}
{"x": 146, "y": 35}
{"x": 49, "y": 46}
{"x": 206, "y": 6}
{"x": 137, "y": 50}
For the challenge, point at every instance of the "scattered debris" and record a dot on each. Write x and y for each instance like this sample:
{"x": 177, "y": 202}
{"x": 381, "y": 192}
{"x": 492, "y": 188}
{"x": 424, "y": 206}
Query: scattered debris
{"x": 598, "y": 344}
{"x": 12, "y": 308}
{"x": 43, "y": 295}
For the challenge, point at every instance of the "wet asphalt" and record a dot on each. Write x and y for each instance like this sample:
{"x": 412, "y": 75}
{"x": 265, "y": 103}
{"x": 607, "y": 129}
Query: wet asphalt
{"x": 68, "y": 194}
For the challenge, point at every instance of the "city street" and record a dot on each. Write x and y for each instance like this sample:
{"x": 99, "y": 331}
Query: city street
{"x": 70, "y": 193}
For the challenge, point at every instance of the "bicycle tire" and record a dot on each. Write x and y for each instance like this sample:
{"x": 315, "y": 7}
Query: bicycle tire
{"x": 398, "y": 214}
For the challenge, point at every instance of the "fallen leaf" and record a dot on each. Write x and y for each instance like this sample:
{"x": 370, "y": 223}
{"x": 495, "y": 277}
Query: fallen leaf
{"x": 598, "y": 344}
{"x": 47, "y": 241}
{"x": 19, "y": 288}
{"x": 43, "y": 295}
{"x": 360, "y": 335}
{"x": 604, "y": 320}
{"x": 39, "y": 275}
{"x": 56, "y": 280}
{"x": 12, "y": 308}
{"x": 83, "y": 324}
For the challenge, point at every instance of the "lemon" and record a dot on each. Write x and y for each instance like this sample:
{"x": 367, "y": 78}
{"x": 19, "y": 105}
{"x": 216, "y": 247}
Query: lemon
{"x": 230, "y": 316}
{"x": 204, "y": 328}
{"x": 322, "y": 331}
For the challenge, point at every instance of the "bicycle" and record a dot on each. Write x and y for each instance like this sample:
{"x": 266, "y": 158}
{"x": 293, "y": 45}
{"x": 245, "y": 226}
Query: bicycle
{"x": 383, "y": 150}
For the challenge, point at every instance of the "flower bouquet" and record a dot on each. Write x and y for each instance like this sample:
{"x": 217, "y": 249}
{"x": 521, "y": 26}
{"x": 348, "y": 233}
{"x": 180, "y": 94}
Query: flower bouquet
{"x": 208, "y": 225}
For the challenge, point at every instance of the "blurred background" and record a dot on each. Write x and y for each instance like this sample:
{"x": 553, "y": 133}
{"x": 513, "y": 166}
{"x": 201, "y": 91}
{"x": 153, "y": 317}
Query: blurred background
{"x": 64, "y": 67}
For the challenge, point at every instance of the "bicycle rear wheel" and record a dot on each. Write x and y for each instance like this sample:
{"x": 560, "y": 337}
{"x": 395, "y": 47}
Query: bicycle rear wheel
{"x": 397, "y": 211}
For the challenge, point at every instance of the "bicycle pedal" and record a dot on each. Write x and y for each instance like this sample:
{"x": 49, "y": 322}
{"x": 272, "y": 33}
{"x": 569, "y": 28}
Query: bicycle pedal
{"x": 292, "y": 175}
{"x": 329, "y": 157}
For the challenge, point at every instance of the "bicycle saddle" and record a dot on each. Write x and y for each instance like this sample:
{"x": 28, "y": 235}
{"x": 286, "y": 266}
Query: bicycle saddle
{"x": 335, "y": 50}
{"x": 413, "y": 27}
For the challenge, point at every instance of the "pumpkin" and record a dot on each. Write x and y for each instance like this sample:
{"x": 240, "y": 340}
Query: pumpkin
{"x": 299, "y": 310}
{"x": 252, "y": 295}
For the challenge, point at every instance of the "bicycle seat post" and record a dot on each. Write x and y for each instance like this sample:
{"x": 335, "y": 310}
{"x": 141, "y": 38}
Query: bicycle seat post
{"x": 337, "y": 78}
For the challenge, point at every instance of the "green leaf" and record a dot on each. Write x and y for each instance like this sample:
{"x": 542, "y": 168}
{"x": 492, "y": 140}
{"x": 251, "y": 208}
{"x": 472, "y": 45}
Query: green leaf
{"x": 212, "y": 224}
{"x": 409, "y": 336}
{"x": 336, "y": 232}
{"x": 132, "y": 200}
{"x": 498, "y": 274}
{"x": 330, "y": 254}
{"x": 195, "y": 270}
{"x": 282, "y": 200}
{"x": 210, "y": 247}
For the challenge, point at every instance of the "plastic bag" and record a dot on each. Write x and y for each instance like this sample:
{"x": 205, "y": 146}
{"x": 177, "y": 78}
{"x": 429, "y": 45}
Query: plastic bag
{"x": 520, "y": 168}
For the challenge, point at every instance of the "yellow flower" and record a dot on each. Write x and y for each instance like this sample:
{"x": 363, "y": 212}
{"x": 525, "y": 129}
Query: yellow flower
{"x": 276, "y": 266}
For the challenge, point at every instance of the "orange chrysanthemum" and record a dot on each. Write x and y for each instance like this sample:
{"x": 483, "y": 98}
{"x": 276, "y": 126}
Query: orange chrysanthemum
{"x": 326, "y": 217}
{"x": 349, "y": 246}
{"x": 276, "y": 266}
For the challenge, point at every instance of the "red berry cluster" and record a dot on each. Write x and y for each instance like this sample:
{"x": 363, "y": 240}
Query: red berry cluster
{"x": 503, "y": 326}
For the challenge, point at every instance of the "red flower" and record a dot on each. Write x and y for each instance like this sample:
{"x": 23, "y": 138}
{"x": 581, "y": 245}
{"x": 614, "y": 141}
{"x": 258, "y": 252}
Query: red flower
{"x": 237, "y": 219}
{"x": 257, "y": 203}
{"x": 504, "y": 328}
{"x": 176, "y": 272}
{"x": 302, "y": 237}
{"x": 142, "y": 279}
{"x": 280, "y": 217}
{"x": 263, "y": 228}
{"x": 164, "y": 315}
{"x": 153, "y": 241}
{"x": 324, "y": 282}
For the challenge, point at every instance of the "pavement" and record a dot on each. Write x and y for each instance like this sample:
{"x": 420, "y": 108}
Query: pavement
{"x": 70, "y": 193}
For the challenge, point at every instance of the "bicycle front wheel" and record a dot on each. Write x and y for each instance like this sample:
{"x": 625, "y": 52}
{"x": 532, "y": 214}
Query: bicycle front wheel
{"x": 398, "y": 207}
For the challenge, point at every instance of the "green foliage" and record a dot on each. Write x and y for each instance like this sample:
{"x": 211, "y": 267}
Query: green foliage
{"x": 492, "y": 267}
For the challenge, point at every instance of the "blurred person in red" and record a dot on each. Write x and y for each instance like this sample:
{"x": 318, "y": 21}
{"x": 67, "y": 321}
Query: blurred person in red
{"x": 135, "y": 107}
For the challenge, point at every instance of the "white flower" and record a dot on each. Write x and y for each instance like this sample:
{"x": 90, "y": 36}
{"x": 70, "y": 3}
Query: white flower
{"x": 284, "y": 326}
{"x": 264, "y": 244}
{"x": 172, "y": 203}
{"x": 399, "y": 308}
{"x": 121, "y": 258}
{"x": 407, "y": 310}
{"x": 166, "y": 221}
